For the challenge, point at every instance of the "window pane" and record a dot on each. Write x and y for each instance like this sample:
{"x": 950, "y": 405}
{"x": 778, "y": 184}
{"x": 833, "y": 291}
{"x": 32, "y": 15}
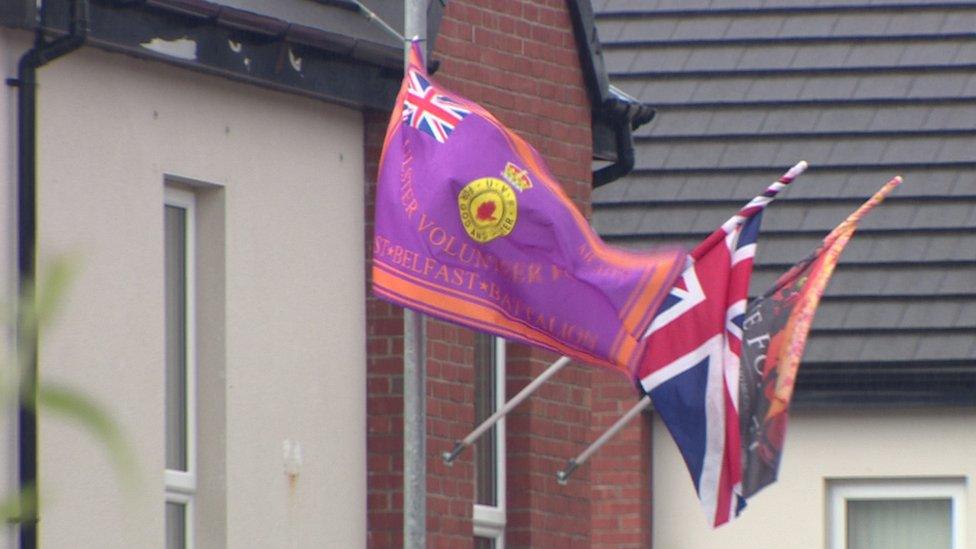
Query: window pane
{"x": 175, "y": 266}
{"x": 899, "y": 524}
{"x": 484, "y": 543}
{"x": 175, "y": 525}
{"x": 485, "y": 451}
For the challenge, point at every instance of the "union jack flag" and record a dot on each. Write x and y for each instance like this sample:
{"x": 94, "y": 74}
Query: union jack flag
{"x": 427, "y": 110}
{"x": 691, "y": 366}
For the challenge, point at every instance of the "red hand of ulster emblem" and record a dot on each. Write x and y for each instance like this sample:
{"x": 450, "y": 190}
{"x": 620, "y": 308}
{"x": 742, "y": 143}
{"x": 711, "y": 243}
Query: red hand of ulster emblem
{"x": 486, "y": 211}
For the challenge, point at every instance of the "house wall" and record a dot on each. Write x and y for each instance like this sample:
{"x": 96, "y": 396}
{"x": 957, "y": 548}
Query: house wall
{"x": 278, "y": 181}
{"x": 821, "y": 445}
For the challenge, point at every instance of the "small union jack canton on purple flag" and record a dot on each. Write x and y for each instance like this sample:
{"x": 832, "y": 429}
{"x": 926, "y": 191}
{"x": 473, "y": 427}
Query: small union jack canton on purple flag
{"x": 427, "y": 110}
{"x": 471, "y": 227}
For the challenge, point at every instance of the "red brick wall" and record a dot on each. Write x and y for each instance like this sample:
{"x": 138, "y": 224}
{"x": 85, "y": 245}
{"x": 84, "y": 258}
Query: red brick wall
{"x": 518, "y": 58}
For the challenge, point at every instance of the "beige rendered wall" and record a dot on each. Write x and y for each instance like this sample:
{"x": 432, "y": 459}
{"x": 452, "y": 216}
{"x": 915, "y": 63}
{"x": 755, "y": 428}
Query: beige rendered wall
{"x": 819, "y": 446}
{"x": 279, "y": 188}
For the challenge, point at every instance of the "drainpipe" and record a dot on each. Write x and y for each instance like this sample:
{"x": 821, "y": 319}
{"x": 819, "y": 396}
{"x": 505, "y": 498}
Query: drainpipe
{"x": 43, "y": 52}
{"x": 627, "y": 114}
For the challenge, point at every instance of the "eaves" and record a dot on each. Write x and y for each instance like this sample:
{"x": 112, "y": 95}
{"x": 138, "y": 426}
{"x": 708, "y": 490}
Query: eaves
{"x": 344, "y": 61}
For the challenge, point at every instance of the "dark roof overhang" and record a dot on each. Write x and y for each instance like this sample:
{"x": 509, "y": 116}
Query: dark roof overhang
{"x": 341, "y": 58}
{"x": 615, "y": 114}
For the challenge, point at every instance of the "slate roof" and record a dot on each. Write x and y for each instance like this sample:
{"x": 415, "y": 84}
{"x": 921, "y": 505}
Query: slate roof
{"x": 863, "y": 91}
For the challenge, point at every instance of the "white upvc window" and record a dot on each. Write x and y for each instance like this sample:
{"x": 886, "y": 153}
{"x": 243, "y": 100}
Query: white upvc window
{"x": 180, "y": 369}
{"x": 894, "y": 513}
{"x": 489, "y": 505}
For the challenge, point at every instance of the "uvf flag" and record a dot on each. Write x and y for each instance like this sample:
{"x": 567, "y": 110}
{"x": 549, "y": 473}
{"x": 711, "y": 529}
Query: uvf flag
{"x": 472, "y": 228}
{"x": 775, "y": 331}
{"x": 691, "y": 363}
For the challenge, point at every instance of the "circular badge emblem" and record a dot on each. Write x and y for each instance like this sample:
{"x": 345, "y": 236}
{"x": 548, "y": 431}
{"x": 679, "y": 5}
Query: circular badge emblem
{"x": 488, "y": 209}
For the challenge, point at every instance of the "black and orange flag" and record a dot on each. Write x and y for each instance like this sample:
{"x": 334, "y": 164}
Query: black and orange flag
{"x": 775, "y": 330}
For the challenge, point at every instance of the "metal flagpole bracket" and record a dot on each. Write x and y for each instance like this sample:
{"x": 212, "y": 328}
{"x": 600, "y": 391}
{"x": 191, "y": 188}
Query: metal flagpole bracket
{"x": 563, "y": 476}
{"x": 449, "y": 457}
{"x": 372, "y": 17}
{"x": 573, "y": 464}
{"x": 459, "y": 447}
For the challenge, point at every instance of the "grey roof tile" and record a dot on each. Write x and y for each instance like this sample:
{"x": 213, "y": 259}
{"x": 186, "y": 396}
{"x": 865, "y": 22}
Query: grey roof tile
{"x": 612, "y": 30}
{"x": 845, "y": 119}
{"x": 949, "y": 248}
{"x": 748, "y": 27}
{"x": 967, "y": 316}
{"x": 889, "y": 347}
{"x": 808, "y": 25}
{"x": 961, "y": 117}
{"x": 910, "y": 149}
{"x": 970, "y": 86}
{"x": 620, "y": 60}
{"x": 936, "y": 346}
{"x": 861, "y": 24}
{"x": 678, "y": 123}
{"x": 856, "y": 151}
{"x": 942, "y": 53}
{"x": 831, "y": 55}
{"x": 715, "y": 58}
{"x": 829, "y": 88}
{"x": 872, "y": 55}
{"x": 756, "y": 154}
{"x": 764, "y": 57}
{"x": 887, "y": 85}
{"x": 619, "y": 222}
{"x": 965, "y": 184}
{"x": 900, "y": 118}
{"x": 958, "y": 21}
{"x": 942, "y": 215}
{"x": 942, "y": 85}
{"x": 916, "y": 22}
{"x": 966, "y": 53}
{"x": 831, "y": 315}
{"x": 822, "y": 349}
{"x": 959, "y": 280}
{"x": 873, "y": 315}
{"x": 957, "y": 149}
{"x": 935, "y": 314}
{"x": 911, "y": 282}
{"x": 701, "y": 27}
{"x": 716, "y": 89}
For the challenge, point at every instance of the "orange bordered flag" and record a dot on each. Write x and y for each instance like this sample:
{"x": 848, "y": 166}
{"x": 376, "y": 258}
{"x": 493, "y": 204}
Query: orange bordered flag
{"x": 472, "y": 228}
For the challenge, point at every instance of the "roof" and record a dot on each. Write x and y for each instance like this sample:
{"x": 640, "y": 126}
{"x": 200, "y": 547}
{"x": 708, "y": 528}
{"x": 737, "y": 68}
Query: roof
{"x": 863, "y": 92}
{"x": 320, "y": 48}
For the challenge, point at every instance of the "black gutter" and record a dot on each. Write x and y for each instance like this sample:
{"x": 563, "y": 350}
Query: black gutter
{"x": 42, "y": 53}
{"x": 627, "y": 114}
{"x": 615, "y": 114}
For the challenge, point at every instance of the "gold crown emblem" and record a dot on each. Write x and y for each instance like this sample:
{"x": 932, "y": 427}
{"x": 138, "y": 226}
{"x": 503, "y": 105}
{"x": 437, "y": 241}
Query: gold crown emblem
{"x": 518, "y": 177}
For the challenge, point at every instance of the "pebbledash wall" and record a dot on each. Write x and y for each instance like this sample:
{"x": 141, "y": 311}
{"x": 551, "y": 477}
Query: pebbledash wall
{"x": 520, "y": 60}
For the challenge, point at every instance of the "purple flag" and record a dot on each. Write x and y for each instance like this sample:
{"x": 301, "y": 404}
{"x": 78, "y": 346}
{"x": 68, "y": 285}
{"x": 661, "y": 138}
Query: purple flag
{"x": 472, "y": 228}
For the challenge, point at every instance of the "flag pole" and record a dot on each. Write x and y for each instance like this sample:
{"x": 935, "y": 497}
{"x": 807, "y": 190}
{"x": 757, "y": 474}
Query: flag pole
{"x": 460, "y": 445}
{"x": 573, "y": 464}
{"x": 414, "y": 364}
{"x": 753, "y": 207}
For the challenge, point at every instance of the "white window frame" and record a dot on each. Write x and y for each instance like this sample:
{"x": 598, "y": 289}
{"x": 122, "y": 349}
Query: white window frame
{"x": 840, "y": 491}
{"x": 489, "y": 520}
{"x": 181, "y": 486}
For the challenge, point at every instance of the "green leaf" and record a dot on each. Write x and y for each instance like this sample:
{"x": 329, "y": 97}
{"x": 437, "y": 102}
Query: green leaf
{"x": 75, "y": 406}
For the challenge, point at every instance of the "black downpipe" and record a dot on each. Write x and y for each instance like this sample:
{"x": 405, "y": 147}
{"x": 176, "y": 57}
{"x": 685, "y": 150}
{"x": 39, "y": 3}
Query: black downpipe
{"x": 42, "y": 53}
{"x": 625, "y": 156}
{"x": 626, "y": 118}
